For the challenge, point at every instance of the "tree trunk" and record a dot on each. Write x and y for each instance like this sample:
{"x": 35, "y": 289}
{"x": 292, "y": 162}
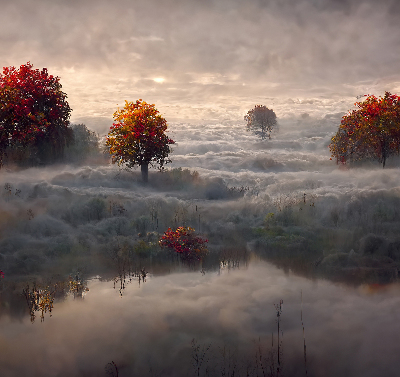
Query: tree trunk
{"x": 145, "y": 172}
{"x": 384, "y": 152}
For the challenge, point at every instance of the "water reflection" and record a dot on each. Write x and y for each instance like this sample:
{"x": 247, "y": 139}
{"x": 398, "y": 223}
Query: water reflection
{"x": 111, "y": 369}
{"x": 128, "y": 267}
{"x": 39, "y": 296}
{"x": 231, "y": 258}
{"x": 187, "y": 324}
{"x": 126, "y": 276}
{"x": 77, "y": 286}
{"x": 39, "y": 300}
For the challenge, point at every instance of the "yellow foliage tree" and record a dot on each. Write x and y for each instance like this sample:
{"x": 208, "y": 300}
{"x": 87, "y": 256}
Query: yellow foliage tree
{"x": 138, "y": 137}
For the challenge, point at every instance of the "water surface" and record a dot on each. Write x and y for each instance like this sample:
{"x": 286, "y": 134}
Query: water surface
{"x": 158, "y": 327}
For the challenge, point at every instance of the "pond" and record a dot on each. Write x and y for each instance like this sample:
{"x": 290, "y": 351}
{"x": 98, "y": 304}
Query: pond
{"x": 208, "y": 323}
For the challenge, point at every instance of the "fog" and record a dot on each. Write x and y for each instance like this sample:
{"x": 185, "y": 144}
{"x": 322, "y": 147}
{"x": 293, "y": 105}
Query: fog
{"x": 282, "y": 220}
{"x": 223, "y": 181}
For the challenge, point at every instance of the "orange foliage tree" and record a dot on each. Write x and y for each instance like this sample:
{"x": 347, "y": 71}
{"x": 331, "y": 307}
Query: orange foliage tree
{"x": 138, "y": 137}
{"x": 371, "y": 131}
{"x": 34, "y": 115}
{"x": 184, "y": 241}
{"x": 261, "y": 121}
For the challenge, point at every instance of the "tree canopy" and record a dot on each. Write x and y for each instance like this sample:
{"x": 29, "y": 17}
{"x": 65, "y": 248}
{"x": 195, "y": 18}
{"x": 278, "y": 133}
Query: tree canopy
{"x": 261, "y": 121}
{"x": 34, "y": 115}
{"x": 372, "y": 131}
{"x": 138, "y": 137}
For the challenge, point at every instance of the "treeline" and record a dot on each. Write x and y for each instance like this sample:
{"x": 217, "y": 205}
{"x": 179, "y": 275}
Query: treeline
{"x": 80, "y": 145}
{"x": 35, "y": 127}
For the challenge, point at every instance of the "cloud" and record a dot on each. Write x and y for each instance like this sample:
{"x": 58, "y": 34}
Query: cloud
{"x": 331, "y": 47}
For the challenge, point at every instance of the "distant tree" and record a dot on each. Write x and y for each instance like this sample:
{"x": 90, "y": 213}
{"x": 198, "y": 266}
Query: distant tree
{"x": 372, "y": 131}
{"x": 261, "y": 121}
{"x": 138, "y": 137}
{"x": 85, "y": 143}
{"x": 34, "y": 115}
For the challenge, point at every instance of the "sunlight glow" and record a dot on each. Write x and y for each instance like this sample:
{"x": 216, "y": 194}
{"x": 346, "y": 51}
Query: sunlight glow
{"x": 160, "y": 80}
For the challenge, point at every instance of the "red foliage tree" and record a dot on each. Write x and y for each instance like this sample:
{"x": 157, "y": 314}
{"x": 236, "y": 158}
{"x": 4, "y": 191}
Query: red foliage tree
{"x": 34, "y": 114}
{"x": 184, "y": 242}
{"x": 370, "y": 131}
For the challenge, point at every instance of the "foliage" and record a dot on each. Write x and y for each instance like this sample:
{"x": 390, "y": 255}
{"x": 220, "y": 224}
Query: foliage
{"x": 138, "y": 137}
{"x": 371, "y": 131}
{"x": 184, "y": 242}
{"x": 269, "y": 220}
{"x": 39, "y": 299}
{"x": 34, "y": 115}
{"x": 261, "y": 121}
{"x": 178, "y": 178}
{"x": 85, "y": 143}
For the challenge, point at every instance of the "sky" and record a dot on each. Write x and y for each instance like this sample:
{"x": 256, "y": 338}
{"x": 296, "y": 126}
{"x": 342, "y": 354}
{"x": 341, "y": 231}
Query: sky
{"x": 210, "y": 59}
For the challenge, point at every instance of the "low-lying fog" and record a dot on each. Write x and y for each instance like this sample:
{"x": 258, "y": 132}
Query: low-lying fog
{"x": 280, "y": 200}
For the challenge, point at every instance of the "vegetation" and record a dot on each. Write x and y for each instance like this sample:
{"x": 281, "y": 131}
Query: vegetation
{"x": 372, "y": 131}
{"x": 184, "y": 242}
{"x": 85, "y": 144}
{"x": 34, "y": 116}
{"x": 138, "y": 137}
{"x": 261, "y": 121}
{"x": 107, "y": 225}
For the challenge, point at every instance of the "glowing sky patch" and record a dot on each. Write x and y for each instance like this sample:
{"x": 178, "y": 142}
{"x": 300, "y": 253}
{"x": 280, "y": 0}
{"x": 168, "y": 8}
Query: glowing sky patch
{"x": 159, "y": 80}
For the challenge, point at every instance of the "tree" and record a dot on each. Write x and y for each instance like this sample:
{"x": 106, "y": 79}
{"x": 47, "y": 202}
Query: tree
{"x": 34, "y": 115}
{"x": 184, "y": 242}
{"x": 138, "y": 137}
{"x": 372, "y": 131}
{"x": 85, "y": 144}
{"x": 261, "y": 121}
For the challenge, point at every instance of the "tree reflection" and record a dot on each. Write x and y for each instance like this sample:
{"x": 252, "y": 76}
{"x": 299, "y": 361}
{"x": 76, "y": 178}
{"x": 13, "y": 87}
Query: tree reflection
{"x": 127, "y": 269}
{"x": 77, "y": 286}
{"x": 126, "y": 276}
{"x": 111, "y": 369}
{"x": 40, "y": 298}
{"x": 233, "y": 257}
